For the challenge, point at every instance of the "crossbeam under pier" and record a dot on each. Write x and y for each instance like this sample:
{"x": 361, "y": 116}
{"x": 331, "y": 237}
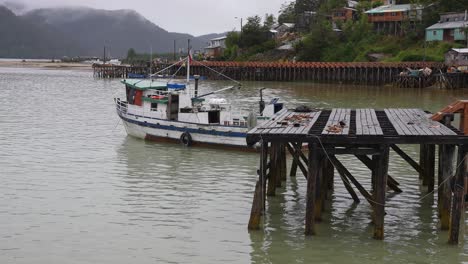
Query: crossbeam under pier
{"x": 369, "y": 135}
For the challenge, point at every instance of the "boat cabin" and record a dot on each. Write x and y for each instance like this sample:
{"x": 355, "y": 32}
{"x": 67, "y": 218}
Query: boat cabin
{"x": 173, "y": 102}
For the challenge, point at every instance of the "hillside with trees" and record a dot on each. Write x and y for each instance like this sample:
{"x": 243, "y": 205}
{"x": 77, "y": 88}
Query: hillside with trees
{"x": 319, "y": 39}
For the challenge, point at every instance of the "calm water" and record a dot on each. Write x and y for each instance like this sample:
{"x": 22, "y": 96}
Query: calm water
{"x": 75, "y": 189}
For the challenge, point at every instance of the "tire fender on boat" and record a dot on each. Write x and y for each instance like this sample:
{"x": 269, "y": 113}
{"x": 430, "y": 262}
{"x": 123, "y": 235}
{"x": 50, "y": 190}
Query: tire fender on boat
{"x": 186, "y": 139}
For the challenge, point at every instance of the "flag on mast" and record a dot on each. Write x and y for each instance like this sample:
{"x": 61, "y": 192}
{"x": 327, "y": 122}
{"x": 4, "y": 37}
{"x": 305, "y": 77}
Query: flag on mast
{"x": 190, "y": 56}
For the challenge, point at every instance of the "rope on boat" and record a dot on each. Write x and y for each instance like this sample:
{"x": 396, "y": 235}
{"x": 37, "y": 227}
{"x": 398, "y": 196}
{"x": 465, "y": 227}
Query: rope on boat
{"x": 167, "y": 68}
{"x": 225, "y": 76}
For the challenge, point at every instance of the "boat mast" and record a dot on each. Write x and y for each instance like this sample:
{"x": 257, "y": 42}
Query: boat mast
{"x": 151, "y": 60}
{"x": 189, "y": 58}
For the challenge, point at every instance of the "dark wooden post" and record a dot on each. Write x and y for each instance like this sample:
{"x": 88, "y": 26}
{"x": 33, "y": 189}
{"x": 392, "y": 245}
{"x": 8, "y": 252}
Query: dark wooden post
{"x": 284, "y": 165}
{"x": 311, "y": 189}
{"x": 321, "y": 189}
{"x": 279, "y": 164}
{"x": 446, "y": 171}
{"x": 272, "y": 178}
{"x": 422, "y": 160}
{"x": 429, "y": 171}
{"x": 293, "y": 169}
{"x": 329, "y": 174}
{"x": 458, "y": 203}
{"x": 427, "y": 163}
{"x": 381, "y": 170}
{"x": 259, "y": 194}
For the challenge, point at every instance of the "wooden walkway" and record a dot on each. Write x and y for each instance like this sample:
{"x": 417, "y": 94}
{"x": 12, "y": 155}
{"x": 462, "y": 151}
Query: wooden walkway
{"x": 369, "y": 134}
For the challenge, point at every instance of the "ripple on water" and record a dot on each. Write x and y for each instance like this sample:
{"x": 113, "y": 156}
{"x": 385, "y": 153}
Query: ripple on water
{"x": 75, "y": 188}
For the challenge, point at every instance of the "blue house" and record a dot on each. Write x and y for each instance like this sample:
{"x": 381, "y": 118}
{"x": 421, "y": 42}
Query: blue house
{"x": 451, "y": 27}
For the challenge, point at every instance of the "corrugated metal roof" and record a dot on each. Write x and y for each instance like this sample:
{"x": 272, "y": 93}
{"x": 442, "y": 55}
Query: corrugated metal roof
{"x": 447, "y": 25}
{"x": 393, "y": 8}
{"x": 465, "y": 50}
{"x": 220, "y": 38}
{"x": 145, "y": 84}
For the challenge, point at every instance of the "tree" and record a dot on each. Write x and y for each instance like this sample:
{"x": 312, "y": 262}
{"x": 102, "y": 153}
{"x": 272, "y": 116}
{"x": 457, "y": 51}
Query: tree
{"x": 316, "y": 42}
{"x": 131, "y": 54}
{"x": 287, "y": 13}
{"x": 232, "y": 46}
{"x": 253, "y": 33}
{"x": 269, "y": 21}
{"x": 306, "y": 5}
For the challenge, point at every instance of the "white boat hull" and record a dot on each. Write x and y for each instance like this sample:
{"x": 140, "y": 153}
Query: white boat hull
{"x": 165, "y": 130}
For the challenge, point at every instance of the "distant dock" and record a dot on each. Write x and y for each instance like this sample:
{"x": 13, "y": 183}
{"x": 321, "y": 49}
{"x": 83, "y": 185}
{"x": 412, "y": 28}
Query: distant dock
{"x": 358, "y": 73}
{"x": 369, "y": 135}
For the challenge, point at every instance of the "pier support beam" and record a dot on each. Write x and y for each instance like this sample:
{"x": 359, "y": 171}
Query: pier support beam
{"x": 282, "y": 162}
{"x": 446, "y": 171}
{"x": 293, "y": 168}
{"x": 458, "y": 203}
{"x": 429, "y": 167}
{"x": 313, "y": 172}
{"x": 273, "y": 176}
{"x": 258, "y": 203}
{"x": 380, "y": 184}
{"x": 391, "y": 182}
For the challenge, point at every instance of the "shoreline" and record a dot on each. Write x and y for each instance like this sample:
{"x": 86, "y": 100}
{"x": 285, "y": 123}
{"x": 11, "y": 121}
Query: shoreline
{"x": 45, "y": 65}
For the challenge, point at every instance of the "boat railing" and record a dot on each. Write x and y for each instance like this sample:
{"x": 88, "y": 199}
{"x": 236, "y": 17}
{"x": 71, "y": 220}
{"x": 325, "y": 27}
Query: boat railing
{"x": 122, "y": 106}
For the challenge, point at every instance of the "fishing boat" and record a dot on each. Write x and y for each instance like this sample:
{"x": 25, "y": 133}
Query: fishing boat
{"x": 165, "y": 109}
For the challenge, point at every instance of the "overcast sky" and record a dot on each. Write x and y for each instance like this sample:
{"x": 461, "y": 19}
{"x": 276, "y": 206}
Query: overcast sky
{"x": 195, "y": 17}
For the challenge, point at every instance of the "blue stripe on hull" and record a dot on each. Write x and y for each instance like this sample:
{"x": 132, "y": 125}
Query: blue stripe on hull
{"x": 182, "y": 129}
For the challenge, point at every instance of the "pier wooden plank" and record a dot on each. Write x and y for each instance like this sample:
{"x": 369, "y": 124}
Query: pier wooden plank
{"x": 378, "y": 128}
{"x": 435, "y": 127}
{"x": 306, "y": 124}
{"x": 415, "y": 122}
{"x": 367, "y": 123}
{"x": 338, "y": 115}
{"x": 262, "y": 127}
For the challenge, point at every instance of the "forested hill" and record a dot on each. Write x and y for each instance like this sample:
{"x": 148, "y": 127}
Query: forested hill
{"x": 23, "y": 38}
{"x": 80, "y": 31}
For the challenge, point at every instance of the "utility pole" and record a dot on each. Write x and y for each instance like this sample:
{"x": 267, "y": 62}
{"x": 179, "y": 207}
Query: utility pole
{"x": 104, "y": 57}
{"x": 174, "y": 49}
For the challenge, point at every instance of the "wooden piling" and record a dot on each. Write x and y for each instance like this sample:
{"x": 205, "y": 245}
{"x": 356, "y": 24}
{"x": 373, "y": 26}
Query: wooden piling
{"x": 381, "y": 170}
{"x": 313, "y": 169}
{"x": 272, "y": 177}
{"x": 283, "y": 162}
{"x": 428, "y": 166}
{"x": 258, "y": 203}
{"x": 458, "y": 203}
{"x": 446, "y": 172}
{"x": 293, "y": 168}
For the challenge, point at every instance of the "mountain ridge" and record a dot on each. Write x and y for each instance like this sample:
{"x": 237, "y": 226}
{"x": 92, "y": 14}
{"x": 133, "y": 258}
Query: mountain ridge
{"x": 84, "y": 31}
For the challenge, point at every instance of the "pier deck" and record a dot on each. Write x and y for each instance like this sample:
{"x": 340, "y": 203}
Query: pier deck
{"x": 369, "y": 134}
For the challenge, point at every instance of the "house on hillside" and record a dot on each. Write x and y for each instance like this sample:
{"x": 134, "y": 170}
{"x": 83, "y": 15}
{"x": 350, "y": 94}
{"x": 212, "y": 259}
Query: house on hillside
{"x": 284, "y": 28}
{"x": 451, "y": 27}
{"x": 345, "y": 13}
{"x": 457, "y": 57}
{"x": 383, "y": 2}
{"x": 390, "y": 18}
{"x": 216, "y": 47}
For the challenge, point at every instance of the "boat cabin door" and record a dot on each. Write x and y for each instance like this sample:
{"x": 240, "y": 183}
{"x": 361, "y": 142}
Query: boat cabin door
{"x": 173, "y": 107}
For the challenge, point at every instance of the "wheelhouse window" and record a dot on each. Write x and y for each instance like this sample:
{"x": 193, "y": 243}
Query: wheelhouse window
{"x": 154, "y": 106}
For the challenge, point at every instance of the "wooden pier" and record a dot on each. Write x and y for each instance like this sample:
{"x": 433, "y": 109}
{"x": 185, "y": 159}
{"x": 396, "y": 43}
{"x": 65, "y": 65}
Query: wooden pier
{"x": 362, "y": 73}
{"x": 369, "y": 135}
